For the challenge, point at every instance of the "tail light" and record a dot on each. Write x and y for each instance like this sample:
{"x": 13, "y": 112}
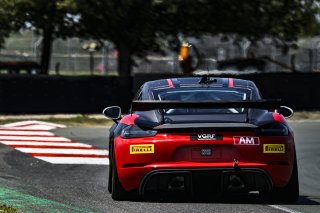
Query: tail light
{"x": 136, "y": 132}
{"x": 274, "y": 129}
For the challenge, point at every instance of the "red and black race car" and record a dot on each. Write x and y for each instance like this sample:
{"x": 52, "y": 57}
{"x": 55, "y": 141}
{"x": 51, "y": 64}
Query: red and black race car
{"x": 202, "y": 135}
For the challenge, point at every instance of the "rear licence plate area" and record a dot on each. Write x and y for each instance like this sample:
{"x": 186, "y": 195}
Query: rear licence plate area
{"x": 205, "y": 153}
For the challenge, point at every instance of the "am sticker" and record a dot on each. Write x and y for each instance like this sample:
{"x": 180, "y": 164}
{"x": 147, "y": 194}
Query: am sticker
{"x": 246, "y": 140}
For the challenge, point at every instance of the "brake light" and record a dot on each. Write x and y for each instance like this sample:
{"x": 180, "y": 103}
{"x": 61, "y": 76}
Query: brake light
{"x": 274, "y": 129}
{"x": 136, "y": 132}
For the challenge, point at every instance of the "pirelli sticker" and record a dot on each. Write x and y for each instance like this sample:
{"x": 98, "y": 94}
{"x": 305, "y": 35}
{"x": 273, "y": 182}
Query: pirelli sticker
{"x": 142, "y": 149}
{"x": 274, "y": 148}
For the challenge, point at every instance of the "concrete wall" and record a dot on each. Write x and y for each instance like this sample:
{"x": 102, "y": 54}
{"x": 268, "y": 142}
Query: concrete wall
{"x": 52, "y": 94}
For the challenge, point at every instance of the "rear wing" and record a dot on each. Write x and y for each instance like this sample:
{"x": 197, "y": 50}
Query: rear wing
{"x": 257, "y": 104}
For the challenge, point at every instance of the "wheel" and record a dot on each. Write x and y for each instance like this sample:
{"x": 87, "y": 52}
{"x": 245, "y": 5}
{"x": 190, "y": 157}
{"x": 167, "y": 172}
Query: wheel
{"x": 110, "y": 178}
{"x": 289, "y": 193}
{"x": 110, "y": 165}
{"x": 118, "y": 192}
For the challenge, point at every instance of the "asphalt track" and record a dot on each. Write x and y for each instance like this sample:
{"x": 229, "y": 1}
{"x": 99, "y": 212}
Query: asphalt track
{"x": 37, "y": 186}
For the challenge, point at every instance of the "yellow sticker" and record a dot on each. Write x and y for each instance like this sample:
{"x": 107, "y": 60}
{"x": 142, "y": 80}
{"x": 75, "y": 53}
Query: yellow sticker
{"x": 142, "y": 149}
{"x": 274, "y": 148}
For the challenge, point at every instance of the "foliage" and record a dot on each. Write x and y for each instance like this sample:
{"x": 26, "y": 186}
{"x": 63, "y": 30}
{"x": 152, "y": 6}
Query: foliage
{"x": 8, "y": 209}
{"x": 50, "y": 19}
{"x": 138, "y": 27}
{"x": 141, "y": 25}
{"x": 5, "y": 20}
{"x": 44, "y": 15}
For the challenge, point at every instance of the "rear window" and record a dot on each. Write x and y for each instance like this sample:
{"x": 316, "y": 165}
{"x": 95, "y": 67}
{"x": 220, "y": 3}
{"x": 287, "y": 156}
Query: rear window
{"x": 203, "y": 94}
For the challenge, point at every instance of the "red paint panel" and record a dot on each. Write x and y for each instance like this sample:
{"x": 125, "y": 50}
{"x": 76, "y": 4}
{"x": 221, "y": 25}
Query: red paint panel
{"x": 176, "y": 151}
{"x": 170, "y": 83}
{"x": 278, "y": 117}
{"x": 231, "y": 85}
{"x": 129, "y": 119}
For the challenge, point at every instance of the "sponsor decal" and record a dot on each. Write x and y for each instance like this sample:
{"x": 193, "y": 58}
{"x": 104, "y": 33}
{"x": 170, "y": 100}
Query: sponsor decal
{"x": 274, "y": 148}
{"x": 205, "y": 137}
{"x": 142, "y": 149}
{"x": 246, "y": 140}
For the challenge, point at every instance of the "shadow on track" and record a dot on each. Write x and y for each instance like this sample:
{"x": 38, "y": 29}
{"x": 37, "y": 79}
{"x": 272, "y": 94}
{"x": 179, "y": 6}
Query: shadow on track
{"x": 230, "y": 199}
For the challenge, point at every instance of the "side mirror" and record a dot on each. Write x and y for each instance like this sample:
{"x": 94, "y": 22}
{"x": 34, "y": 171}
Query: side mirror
{"x": 287, "y": 112}
{"x": 112, "y": 112}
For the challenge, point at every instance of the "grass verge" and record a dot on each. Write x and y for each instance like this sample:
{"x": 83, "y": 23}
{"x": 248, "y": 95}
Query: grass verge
{"x": 7, "y": 209}
{"x": 306, "y": 115}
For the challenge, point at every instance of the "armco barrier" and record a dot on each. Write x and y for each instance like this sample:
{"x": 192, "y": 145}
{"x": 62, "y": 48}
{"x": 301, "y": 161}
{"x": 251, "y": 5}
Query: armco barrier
{"x": 300, "y": 91}
{"x": 61, "y": 94}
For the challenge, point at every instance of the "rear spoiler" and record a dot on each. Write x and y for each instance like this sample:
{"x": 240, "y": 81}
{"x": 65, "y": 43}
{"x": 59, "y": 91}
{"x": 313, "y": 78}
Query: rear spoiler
{"x": 258, "y": 104}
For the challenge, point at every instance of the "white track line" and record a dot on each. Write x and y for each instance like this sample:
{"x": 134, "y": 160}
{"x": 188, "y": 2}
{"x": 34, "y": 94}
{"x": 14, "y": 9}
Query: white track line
{"x": 64, "y": 151}
{"x": 75, "y": 160}
{"x": 33, "y": 123}
{"x": 19, "y": 129}
{"x": 33, "y": 138}
{"x": 31, "y": 143}
{"x": 37, "y": 127}
{"x": 285, "y": 209}
{"x": 25, "y": 133}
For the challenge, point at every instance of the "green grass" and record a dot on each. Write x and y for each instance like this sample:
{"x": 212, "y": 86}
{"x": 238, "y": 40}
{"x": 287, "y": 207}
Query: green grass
{"x": 83, "y": 73}
{"x": 302, "y": 115}
{"x": 7, "y": 209}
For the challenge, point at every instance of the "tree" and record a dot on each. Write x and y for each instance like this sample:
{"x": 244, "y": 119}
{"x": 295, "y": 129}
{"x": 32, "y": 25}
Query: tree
{"x": 50, "y": 19}
{"x": 139, "y": 26}
{"x": 130, "y": 24}
{"x": 6, "y": 24}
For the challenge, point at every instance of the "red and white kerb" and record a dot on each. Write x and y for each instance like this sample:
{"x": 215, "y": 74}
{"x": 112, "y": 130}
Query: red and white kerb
{"x": 33, "y": 138}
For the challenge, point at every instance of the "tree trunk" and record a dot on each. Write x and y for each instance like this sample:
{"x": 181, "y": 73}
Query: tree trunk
{"x": 124, "y": 61}
{"x": 293, "y": 63}
{"x": 46, "y": 51}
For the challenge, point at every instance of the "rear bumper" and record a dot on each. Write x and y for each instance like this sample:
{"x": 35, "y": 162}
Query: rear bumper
{"x": 202, "y": 181}
{"x": 133, "y": 176}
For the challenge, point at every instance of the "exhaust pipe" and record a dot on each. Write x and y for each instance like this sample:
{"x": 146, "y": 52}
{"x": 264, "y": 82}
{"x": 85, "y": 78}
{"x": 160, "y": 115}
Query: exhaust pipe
{"x": 176, "y": 183}
{"x": 235, "y": 183}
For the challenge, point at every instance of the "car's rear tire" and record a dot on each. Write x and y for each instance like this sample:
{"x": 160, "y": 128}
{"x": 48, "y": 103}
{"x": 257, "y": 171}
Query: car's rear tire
{"x": 289, "y": 193}
{"x": 110, "y": 165}
{"x": 110, "y": 179}
{"x": 118, "y": 192}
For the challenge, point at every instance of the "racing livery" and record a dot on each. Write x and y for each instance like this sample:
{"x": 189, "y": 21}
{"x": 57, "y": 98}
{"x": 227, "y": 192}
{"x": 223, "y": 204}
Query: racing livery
{"x": 202, "y": 135}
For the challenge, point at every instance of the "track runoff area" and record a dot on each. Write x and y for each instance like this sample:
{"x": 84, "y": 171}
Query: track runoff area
{"x": 35, "y": 139}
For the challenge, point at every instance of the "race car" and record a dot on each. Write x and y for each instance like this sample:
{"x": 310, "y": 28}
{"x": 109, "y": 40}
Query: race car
{"x": 202, "y": 136}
